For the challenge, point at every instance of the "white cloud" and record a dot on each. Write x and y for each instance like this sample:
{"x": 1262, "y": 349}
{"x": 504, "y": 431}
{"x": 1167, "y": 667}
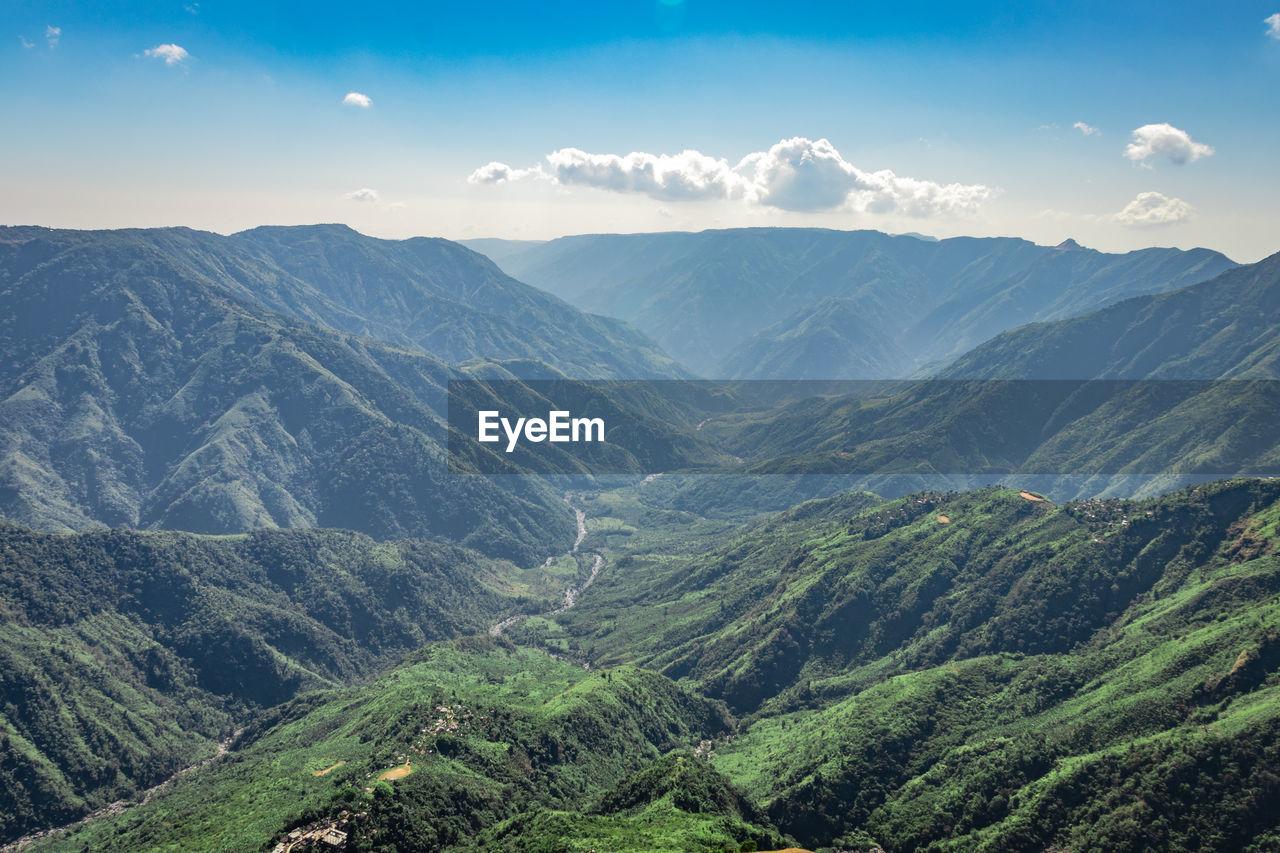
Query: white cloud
{"x": 802, "y": 175}
{"x": 362, "y": 194}
{"x": 172, "y": 54}
{"x": 26, "y": 43}
{"x": 1150, "y": 209}
{"x": 501, "y": 173}
{"x": 1273, "y": 25}
{"x": 355, "y": 99}
{"x": 684, "y": 176}
{"x": 51, "y": 35}
{"x": 1167, "y": 141}
{"x": 1086, "y": 129}
{"x": 796, "y": 174}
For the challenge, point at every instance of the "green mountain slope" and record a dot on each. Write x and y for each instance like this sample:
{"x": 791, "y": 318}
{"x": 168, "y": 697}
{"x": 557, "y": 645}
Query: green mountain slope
{"x": 981, "y": 669}
{"x": 486, "y": 732}
{"x": 941, "y": 672}
{"x": 715, "y": 299}
{"x": 135, "y": 392}
{"x": 125, "y": 655}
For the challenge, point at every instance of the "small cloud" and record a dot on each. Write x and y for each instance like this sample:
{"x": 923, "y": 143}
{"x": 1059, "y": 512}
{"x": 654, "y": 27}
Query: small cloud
{"x": 25, "y": 43}
{"x": 172, "y": 54}
{"x": 665, "y": 212}
{"x": 355, "y": 99}
{"x": 501, "y": 173}
{"x": 397, "y": 206}
{"x": 362, "y": 194}
{"x": 1153, "y": 209}
{"x": 192, "y": 8}
{"x": 1273, "y": 25}
{"x": 1086, "y": 129}
{"x": 1167, "y": 141}
{"x": 51, "y": 35}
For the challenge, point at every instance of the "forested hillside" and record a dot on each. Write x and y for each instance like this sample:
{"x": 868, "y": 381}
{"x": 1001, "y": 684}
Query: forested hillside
{"x": 941, "y": 671}
{"x": 125, "y": 655}
{"x": 136, "y": 392}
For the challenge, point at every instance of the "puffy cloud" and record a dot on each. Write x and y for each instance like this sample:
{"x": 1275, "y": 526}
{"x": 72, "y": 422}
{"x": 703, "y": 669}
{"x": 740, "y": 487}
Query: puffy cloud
{"x": 1149, "y": 209}
{"x": 362, "y": 194}
{"x": 356, "y": 99}
{"x": 1273, "y": 25}
{"x": 802, "y": 175}
{"x": 796, "y": 174}
{"x": 1167, "y": 141}
{"x": 172, "y": 54}
{"x": 684, "y": 176}
{"x": 52, "y": 34}
{"x": 1086, "y": 129}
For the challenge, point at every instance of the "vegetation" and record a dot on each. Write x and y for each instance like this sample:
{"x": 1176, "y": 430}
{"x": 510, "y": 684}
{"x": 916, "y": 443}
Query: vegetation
{"x": 491, "y": 731}
{"x": 124, "y": 656}
{"x": 850, "y": 673}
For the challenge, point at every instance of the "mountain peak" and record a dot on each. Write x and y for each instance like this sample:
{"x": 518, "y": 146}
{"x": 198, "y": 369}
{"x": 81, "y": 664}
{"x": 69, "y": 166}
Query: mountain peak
{"x": 1069, "y": 245}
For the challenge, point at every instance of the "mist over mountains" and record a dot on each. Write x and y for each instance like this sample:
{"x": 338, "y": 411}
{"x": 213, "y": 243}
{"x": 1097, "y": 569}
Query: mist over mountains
{"x": 800, "y": 303}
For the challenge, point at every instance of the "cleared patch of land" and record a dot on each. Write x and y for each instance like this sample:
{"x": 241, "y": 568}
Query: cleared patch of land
{"x": 327, "y": 770}
{"x": 395, "y": 773}
{"x": 1029, "y": 497}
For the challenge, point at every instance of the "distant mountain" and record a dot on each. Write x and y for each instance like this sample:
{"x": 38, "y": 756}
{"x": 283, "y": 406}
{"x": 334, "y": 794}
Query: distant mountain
{"x": 1164, "y": 433}
{"x": 738, "y": 303}
{"x": 498, "y": 250}
{"x": 428, "y": 293}
{"x": 1228, "y": 327}
{"x": 831, "y": 339}
{"x": 137, "y": 392}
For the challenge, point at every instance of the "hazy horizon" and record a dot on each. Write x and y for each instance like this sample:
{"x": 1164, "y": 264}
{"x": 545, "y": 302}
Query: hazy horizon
{"x": 1151, "y": 124}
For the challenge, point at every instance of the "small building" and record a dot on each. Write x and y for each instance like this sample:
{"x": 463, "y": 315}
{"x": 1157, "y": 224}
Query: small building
{"x": 335, "y": 838}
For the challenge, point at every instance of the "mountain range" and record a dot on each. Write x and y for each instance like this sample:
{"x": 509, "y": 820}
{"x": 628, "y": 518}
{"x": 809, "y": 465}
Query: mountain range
{"x": 433, "y": 660}
{"x": 800, "y": 303}
{"x": 137, "y": 388}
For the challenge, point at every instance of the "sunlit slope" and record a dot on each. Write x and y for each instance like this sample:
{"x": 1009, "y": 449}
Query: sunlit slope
{"x": 124, "y": 655}
{"x": 488, "y": 733}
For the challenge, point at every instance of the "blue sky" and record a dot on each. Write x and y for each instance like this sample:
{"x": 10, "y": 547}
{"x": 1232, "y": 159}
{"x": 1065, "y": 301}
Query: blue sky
{"x": 1123, "y": 125}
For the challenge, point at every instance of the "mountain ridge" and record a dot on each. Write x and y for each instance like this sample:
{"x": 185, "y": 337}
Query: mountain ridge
{"x": 709, "y": 297}
{"x": 136, "y": 392}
